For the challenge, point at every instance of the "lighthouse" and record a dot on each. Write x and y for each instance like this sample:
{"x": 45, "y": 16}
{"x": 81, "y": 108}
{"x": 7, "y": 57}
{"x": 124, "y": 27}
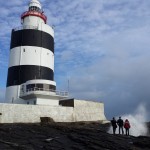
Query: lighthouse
{"x": 31, "y": 93}
{"x": 30, "y": 78}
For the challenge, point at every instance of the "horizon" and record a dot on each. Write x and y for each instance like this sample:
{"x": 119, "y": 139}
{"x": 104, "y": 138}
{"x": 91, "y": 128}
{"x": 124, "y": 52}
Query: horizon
{"x": 101, "y": 50}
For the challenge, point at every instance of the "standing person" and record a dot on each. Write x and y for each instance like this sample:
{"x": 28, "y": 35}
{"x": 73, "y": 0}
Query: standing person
{"x": 127, "y": 126}
{"x": 120, "y": 124}
{"x": 114, "y": 125}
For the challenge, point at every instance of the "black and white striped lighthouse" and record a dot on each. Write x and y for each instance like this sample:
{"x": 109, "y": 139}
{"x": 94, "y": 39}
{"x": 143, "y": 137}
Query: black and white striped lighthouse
{"x": 31, "y": 65}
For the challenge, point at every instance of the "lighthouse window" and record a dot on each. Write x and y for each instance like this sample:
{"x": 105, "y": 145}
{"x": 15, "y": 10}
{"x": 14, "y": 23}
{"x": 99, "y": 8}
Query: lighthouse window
{"x": 30, "y": 87}
{"x": 34, "y": 87}
{"x": 23, "y": 50}
{"x": 52, "y": 87}
{"x": 39, "y": 86}
{"x": 34, "y": 8}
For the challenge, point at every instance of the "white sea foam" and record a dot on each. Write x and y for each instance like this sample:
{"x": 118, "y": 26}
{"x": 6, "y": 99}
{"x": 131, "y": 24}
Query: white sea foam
{"x": 137, "y": 121}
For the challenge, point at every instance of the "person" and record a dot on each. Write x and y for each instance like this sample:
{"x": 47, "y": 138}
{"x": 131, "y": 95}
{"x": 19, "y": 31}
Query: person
{"x": 120, "y": 124}
{"x": 114, "y": 125}
{"x": 127, "y": 126}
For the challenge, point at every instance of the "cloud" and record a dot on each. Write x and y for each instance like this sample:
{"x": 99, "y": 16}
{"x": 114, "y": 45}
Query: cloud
{"x": 119, "y": 75}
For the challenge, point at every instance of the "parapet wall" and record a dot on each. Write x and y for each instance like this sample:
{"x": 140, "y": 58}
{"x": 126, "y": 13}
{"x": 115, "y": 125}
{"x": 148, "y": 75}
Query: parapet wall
{"x": 88, "y": 110}
{"x": 20, "y": 113}
{"x": 82, "y": 111}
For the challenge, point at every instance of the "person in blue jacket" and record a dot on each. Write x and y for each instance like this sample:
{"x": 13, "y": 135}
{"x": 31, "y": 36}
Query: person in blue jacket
{"x": 120, "y": 124}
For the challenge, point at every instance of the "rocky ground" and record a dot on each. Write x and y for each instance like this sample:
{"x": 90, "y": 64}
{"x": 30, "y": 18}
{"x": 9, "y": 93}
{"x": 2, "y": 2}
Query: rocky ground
{"x": 67, "y": 136}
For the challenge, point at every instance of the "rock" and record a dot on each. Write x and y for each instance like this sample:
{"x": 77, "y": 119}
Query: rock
{"x": 67, "y": 136}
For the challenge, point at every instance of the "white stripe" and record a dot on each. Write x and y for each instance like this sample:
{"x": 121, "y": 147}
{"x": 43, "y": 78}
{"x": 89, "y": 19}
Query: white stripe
{"x": 31, "y": 55}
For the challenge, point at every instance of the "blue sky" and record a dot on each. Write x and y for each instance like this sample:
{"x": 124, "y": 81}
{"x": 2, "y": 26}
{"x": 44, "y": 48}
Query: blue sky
{"x": 101, "y": 46}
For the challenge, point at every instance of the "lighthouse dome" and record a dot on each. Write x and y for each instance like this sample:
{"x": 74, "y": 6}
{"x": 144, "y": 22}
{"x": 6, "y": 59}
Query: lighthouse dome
{"x": 34, "y": 4}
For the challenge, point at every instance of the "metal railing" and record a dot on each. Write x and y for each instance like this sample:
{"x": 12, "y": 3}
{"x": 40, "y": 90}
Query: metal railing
{"x": 34, "y": 13}
{"x": 43, "y": 91}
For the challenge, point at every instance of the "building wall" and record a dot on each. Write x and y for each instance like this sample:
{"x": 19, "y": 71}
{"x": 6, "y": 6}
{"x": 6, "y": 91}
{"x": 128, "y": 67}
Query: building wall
{"x": 18, "y": 113}
{"x": 40, "y": 101}
{"x": 82, "y": 111}
{"x": 88, "y": 110}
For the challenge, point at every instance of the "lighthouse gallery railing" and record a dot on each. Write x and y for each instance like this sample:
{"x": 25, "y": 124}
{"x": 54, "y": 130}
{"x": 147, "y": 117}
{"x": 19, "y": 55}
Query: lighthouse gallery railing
{"x": 43, "y": 91}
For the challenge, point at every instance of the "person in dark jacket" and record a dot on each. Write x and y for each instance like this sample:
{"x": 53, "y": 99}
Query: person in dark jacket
{"x": 114, "y": 125}
{"x": 127, "y": 126}
{"x": 120, "y": 124}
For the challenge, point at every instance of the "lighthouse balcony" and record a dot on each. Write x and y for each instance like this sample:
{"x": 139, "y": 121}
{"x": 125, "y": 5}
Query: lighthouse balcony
{"x": 34, "y": 13}
{"x": 42, "y": 93}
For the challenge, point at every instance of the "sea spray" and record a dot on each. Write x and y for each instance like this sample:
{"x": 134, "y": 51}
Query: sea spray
{"x": 137, "y": 120}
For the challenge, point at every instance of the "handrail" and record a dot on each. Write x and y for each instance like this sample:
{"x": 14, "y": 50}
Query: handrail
{"x": 35, "y": 89}
{"x": 34, "y": 13}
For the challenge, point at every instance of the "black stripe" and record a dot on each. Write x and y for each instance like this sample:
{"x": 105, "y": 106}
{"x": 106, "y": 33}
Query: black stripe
{"x": 20, "y": 74}
{"x": 30, "y": 37}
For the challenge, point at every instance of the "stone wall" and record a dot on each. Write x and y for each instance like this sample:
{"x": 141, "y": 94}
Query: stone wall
{"x": 82, "y": 111}
{"x": 88, "y": 110}
{"x": 20, "y": 113}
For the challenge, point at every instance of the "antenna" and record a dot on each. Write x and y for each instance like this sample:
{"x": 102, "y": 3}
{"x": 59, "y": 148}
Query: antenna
{"x": 68, "y": 83}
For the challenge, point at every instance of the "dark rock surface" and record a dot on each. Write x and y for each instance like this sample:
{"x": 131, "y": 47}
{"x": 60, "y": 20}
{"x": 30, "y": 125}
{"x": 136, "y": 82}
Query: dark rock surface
{"x": 67, "y": 136}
